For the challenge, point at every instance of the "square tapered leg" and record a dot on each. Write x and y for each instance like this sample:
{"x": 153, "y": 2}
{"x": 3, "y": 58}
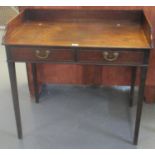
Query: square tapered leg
{"x": 13, "y": 81}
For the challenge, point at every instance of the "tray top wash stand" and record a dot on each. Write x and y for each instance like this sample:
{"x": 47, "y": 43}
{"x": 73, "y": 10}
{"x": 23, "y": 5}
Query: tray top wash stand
{"x": 111, "y": 38}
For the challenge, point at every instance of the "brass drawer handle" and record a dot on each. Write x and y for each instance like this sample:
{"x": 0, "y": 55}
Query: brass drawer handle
{"x": 110, "y": 56}
{"x": 42, "y": 55}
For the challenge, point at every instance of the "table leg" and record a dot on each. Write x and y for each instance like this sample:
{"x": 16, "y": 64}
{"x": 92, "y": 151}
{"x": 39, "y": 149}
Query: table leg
{"x": 133, "y": 80}
{"x": 13, "y": 82}
{"x": 35, "y": 82}
{"x": 140, "y": 103}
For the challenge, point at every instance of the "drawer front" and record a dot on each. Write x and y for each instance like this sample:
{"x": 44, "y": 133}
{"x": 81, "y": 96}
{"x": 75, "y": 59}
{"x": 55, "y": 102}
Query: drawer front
{"x": 41, "y": 54}
{"x": 34, "y": 54}
{"x": 111, "y": 57}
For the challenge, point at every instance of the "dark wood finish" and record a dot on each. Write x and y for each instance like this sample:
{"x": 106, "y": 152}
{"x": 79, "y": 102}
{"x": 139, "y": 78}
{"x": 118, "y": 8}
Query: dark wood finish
{"x": 30, "y": 54}
{"x": 140, "y": 104}
{"x": 140, "y": 99}
{"x": 71, "y": 28}
{"x": 35, "y": 82}
{"x": 148, "y": 30}
{"x": 95, "y": 39}
{"x": 111, "y": 77}
{"x": 123, "y": 57}
{"x": 13, "y": 82}
{"x": 133, "y": 80}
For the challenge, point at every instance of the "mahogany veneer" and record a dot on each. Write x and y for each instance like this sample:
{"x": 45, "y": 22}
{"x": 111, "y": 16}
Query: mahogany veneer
{"x": 87, "y": 37}
{"x": 87, "y": 74}
{"x": 81, "y": 28}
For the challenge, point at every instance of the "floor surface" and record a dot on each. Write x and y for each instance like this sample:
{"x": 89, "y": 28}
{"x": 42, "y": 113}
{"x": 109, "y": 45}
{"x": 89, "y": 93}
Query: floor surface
{"x": 71, "y": 116}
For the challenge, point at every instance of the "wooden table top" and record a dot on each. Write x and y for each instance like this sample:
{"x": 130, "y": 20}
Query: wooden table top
{"x": 110, "y": 33}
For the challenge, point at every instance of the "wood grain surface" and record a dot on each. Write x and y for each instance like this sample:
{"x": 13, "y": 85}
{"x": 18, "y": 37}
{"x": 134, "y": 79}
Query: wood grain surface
{"x": 94, "y": 75}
